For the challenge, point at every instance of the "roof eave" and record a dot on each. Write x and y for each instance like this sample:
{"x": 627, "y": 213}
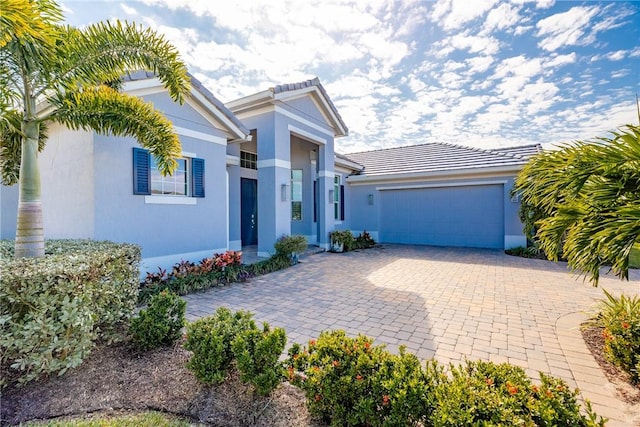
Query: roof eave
{"x": 348, "y": 164}
{"x": 449, "y": 173}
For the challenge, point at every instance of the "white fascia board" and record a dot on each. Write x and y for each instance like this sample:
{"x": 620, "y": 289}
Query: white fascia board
{"x": 200, "y": 135}
{"x": 320, "y": 102}
{"x": 347, "y": 164}
{"x": 304, "y": 121}
{"x": 255, "y": 112}
{"x": 143, "y": 84}
{"x": 233, "y": 160}
{"x": 449, "y": 174}
{"x": 307, "y": 135}
{"x": 251, "y": 100}
{"x": 235, "y": 131}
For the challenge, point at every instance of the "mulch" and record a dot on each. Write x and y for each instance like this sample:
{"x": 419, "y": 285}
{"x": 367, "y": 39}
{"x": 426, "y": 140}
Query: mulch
{"x": 120, "y": 378}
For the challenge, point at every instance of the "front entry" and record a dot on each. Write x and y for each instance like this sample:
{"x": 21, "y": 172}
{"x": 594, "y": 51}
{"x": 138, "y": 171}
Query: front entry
{"x": 249, "y": 211}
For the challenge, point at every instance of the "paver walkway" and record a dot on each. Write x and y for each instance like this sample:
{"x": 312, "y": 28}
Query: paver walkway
{"x": 447, "y": 303}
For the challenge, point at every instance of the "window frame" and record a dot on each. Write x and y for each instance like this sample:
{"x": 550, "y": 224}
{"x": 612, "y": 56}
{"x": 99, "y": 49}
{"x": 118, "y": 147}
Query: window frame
{"x": 194, "y": 177}
{"x": 293, "y": 200}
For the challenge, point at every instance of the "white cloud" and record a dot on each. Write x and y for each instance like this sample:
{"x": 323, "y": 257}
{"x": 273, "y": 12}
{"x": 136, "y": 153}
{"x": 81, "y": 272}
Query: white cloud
{"x": 479, "y": 64}
{"x": 502, "y": 17}
{"x": 620, "y": 73}
{"x": 617, "y": 55}
{"x": 128, "y": 10}
{"x": 472, "y": 44}
{"x": 567, "y": 28}
{"x": 453, "y": 14}
{"x": 559, "y": 60}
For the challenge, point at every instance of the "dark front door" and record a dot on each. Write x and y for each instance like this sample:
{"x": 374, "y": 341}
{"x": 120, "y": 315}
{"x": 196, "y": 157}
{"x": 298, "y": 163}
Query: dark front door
{"x": 249, "y": 211}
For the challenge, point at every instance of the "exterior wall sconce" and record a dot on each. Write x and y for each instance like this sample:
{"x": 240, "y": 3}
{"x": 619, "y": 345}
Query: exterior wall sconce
{"x": 284, "y": 192}
{"x": 370, "y": 199}
{"x": 331, "y": 195}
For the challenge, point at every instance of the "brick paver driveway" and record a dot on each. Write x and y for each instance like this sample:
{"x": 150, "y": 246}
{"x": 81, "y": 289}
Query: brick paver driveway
{"x": 447, "y": 303}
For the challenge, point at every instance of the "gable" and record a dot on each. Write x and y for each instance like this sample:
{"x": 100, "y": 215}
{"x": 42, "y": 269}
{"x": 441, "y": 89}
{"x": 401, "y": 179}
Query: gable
{"x": 305, "y": 106}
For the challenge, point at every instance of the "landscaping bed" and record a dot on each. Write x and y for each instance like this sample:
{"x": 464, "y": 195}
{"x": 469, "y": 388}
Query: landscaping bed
{"x": 119, "y": 377}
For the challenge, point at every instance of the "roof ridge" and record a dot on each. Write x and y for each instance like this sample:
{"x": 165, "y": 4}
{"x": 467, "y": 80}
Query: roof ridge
{"x": 395, "y": 148}
{"x": 447, "y": 144}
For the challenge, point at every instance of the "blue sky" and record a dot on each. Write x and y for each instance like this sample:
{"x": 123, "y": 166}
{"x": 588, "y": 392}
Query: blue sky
{"x": 482, "y": 73}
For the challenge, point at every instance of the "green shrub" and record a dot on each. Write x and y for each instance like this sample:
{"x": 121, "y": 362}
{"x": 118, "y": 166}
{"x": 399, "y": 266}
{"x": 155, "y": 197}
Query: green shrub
{"x": 341, "y": 237}
{"x": 349, "y": 381}
{"x": 54, "y": 308}
{"x": 525, "y": 252}
{"x": 484, "y": 393}
{"x": 161, "y": 323}
{"x": 620, "y": 318}
{"x": 257, "y": 353}
{"x": 285, "y": 246}
{"x": 210, "y": 341}
{"x": 362, "y": 241}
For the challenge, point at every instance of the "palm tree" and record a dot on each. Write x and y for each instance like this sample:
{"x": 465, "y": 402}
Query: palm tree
{"x": 585, "y": 199}
{"x": 71, "y": 76}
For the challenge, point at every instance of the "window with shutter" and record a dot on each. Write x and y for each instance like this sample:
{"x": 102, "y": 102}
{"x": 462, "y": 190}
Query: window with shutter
{"x": 187, "y": 179}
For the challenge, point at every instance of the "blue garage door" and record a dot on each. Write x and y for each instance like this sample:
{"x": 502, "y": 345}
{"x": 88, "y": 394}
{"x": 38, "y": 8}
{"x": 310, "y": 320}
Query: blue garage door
{"x": 469, "y": 216}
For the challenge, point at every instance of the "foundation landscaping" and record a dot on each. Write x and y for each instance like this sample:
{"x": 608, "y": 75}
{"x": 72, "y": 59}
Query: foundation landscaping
{"x": 72, "y": 344}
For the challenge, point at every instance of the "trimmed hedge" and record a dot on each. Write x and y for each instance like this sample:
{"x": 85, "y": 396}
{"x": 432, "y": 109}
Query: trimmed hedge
{"x": 54, "y": 308}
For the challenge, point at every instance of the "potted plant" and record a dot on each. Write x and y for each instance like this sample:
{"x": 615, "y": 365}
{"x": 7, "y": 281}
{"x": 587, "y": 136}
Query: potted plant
{"x": 291, "y": 247}
{"x": 340, "y": 240}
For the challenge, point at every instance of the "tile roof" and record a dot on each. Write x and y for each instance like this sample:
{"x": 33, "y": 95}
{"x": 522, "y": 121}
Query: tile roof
{"x": 310, "y": 83}
{"x": 522, "y": 150}
{"x": 434, "y": 157}
{"x": 196, "y": 84}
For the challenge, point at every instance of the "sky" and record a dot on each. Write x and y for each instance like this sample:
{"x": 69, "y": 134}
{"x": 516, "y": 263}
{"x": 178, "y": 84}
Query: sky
{"x": 479, "y": 73}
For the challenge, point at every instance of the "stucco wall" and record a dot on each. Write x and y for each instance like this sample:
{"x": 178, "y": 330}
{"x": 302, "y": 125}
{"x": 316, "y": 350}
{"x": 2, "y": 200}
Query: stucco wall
{"x": 8, "y": 211}
{"x": 67, "y": 174}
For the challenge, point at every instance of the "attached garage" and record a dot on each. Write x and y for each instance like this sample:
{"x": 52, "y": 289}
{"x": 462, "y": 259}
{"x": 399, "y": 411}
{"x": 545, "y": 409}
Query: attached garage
{"x": 468, "y": 216}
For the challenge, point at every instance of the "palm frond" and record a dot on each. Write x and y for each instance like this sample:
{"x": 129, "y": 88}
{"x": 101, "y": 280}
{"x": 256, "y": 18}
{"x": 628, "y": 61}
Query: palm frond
{"x": 105, "y": 51}
{"x": 111, "y": 112}
{"x": 28, "y": 20}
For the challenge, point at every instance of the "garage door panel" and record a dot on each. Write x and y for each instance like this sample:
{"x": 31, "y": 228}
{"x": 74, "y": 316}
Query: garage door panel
{"x": 470, "y": 216}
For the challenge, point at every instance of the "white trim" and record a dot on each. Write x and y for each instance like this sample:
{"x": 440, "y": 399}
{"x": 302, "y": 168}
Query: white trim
{"x": 270, "y": 163}
{"x": 438, "y": 185}
{"x": 327, "y": 174}
{"x": 146, "y": 83}
{"x": 219, "y": 115}
{"x": 188, "y": 154}
{"x": 170, "y": 200}
{"x": 347, "y": 164}
{"x": 514, "y": 240}
{"x": 447, "y": 174}
{"x": 256, "y": 112}
{"x": 233, "y": 160}
{"x": 304, "y": 121}
{"x": 265, "y": 95}
{"x": 200, "y": 135}
{"x": 235, "y": 245}
{"x": 303, "y": 133}
{"x": 324, "y": 108}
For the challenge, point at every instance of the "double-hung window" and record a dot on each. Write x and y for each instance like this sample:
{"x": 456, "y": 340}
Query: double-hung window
{"x": 186, "y": 181}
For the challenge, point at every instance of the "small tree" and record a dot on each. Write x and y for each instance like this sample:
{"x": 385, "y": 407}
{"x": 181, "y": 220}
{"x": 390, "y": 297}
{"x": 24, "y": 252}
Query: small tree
{"x": 50, "y": 72}
{"x": 585, "y": 201}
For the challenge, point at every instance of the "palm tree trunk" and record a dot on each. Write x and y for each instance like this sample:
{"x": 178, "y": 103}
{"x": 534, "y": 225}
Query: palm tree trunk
{"x": 30, "y": 230}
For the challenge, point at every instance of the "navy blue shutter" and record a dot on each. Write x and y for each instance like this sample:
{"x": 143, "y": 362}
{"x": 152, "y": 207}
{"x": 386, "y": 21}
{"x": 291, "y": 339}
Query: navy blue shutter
{"x": 141, "y": 176}
{"x": 197, "y": 177}
{"x": 315, "y": 201}
{"x": 342, "y": 203}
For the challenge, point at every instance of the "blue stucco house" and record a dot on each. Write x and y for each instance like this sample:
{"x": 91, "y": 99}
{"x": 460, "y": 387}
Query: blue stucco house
{"x": 263, "y": 166}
